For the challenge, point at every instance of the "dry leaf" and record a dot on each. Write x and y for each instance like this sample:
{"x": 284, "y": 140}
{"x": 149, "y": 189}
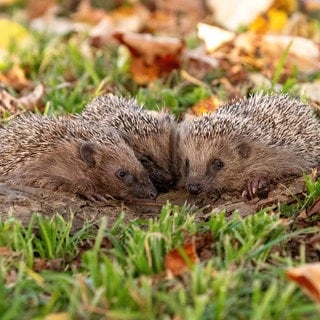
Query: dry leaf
{"x": 86, "y": 13}
{"x": 177, "y": 261}
{"x": 308, "y": 278}
{"x": 32, "y": 100}
{"x": 11, "y": 105}
{"x": 8, "y": 104}
{"x": 7, "y": 2}
{"x": 40, "y": 8}
{"x": 214, "y": 37}
{"x": 5, "y": 251}
{"x": 265, "y": 51}
{"x": 315, "y": 208}
{"x": 311, "y": 90}
{"x": 12, "y": 32}
{"x": 233, "y": 14}
{"x": 153, "y": 57}
{"x": 15, "y": 78}
{"x": 124, "y": 19}
{"x": 206, "y": 105}
{"x": 274, "y": 20}
{"x": 176, "y": 17}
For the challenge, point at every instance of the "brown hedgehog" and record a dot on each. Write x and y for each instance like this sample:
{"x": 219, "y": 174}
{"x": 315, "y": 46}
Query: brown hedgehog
{"x": 72, "y": 156}
{"x": 246, "y": 145}
{"x": 150, "y": 134}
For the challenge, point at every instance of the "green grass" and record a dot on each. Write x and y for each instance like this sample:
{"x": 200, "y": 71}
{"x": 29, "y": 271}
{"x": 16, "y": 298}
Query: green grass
{"x": 118, "y": 272}
{"x": 244, "y": 278}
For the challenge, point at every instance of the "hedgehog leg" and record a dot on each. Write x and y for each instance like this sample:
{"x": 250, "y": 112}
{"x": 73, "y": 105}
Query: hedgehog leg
{"x": 256, "y": 186}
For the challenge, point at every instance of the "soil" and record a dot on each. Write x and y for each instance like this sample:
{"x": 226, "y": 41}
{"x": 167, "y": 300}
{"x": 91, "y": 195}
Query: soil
{"x": 22, "y": 202}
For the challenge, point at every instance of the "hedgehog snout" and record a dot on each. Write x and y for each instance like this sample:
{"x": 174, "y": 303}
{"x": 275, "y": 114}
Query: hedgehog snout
{"x": 153, "y": 194}
{"x": 194, "y": 188}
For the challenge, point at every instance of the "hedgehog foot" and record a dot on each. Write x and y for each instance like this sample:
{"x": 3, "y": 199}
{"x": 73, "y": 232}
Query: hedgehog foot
{"x": 95, "y": 197}
{"x": 256, "y": 186}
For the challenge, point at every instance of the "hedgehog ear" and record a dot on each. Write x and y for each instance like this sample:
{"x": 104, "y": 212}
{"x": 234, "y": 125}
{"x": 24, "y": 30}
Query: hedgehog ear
{"x": 87, "y": 153}
{"x": 244, "y": 149}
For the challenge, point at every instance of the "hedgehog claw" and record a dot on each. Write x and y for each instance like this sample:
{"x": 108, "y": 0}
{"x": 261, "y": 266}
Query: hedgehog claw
{"x": 94, "y": 197}
{"x": 255, "y": 186}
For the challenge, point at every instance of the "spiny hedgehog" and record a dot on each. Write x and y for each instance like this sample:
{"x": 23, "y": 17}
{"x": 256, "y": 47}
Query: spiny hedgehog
{"x": 150, "y": 134}
{"x": 70, "y": 155}
{"x": 248, "y": 144}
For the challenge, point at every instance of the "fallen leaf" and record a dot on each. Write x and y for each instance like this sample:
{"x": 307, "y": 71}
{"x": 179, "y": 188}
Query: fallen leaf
{"x": 8, "y": 104}
{"x": 40, "y": 8}
{"x": 5, "y": 251}
{"x": 311, "y": 90}
{"x": 153, "y": 57}
{"x": 233, "y": 14}
{"x": 214, "y": 37}
{"x": 179, "y": 260}
{"x": 176, "y": 17}
{"x": 15, "y": 78}
{"x": 265, "y": 51}
{"x": 13, "y": 33}
{"x": 308, "y": 278}
{"x": 315, "y": 208}
{"x": 7, "y": 2}
{"x": 87, "y": 13}
{"x": 32, "y": 100}
{"x": 272, "y": 21}
{"x": 53, "y": 264}
{"x": 206, "y": 105}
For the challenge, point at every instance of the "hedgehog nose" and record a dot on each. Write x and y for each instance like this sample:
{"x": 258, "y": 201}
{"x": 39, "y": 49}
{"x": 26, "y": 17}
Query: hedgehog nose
{"x": 194, "y": 188}
{"x": 153, "y": 194}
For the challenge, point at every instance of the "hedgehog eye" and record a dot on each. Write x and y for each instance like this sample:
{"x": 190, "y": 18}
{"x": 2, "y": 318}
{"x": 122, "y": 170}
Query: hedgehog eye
{"x": 145, "y": 160}
{"x": 121, "y": 175}
{"x": 217, "y": 164}
{"x": 187, "y": 164}
{"x": 186, "y": 170}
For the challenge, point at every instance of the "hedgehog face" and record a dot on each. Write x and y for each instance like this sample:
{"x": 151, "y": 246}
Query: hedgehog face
{"x": 212, "y": 165}
{"x": 115, "y": 173}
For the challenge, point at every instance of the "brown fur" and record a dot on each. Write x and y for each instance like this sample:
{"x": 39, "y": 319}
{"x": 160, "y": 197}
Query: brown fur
{"x": 149, "y": 133}
{"x": 255, "y": 143}
{"x": 67, "y": 155}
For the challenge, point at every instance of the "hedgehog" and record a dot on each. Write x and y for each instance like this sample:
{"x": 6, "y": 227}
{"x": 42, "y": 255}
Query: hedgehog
{"x": 248, "y": 145}
{"x": 69, "y": 155}
{"x": 149, "y": 133}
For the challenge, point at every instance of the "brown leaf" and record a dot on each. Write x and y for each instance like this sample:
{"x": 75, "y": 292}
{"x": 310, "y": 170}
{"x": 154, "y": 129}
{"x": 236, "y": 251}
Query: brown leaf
{"x": 153, "y": 57}
{"x": 206, "y": 105}
{"x": 315, "y": 208}
{"x": 177, "y": 261}
{"x": 5, "y": 251}
{"x": 54, "y": 264}
{"x": 308, "y": 278}
{"x": 40, "y": 8}
{"x": 11, "y": 105}
{"x": 8, "y": 104}
{"x": 86, "y": 13}
{"x": 15, "y": 78}
{"x": 33, "y": 99}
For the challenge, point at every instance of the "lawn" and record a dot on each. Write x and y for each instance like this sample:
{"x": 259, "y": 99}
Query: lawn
{"x": 176, "y": 265}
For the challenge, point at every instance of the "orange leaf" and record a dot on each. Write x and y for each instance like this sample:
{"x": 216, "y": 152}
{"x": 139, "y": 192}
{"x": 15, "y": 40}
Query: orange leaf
{"x": 308, "y": 278}
{"x": 153, "y": 57}
{"x": 179, "y": 260}
{"x": 206, "y": 105}
{"x": 15, "y": 78}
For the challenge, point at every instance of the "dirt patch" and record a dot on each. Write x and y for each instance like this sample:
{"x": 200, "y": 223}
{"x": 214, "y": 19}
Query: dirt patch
{"x": 22, "y": 202}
